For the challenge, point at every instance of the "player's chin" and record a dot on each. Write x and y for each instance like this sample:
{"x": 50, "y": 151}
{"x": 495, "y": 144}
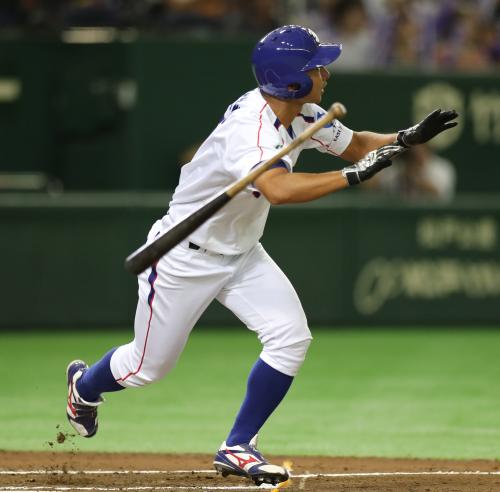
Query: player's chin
{"x": 319, "y": 95}
{"x": 317, "y": 98}
{"x": 312, "y": 98}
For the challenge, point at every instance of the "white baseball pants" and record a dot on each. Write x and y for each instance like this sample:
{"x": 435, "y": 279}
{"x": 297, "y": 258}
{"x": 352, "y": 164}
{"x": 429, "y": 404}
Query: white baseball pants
{"x": 173, "y": 296}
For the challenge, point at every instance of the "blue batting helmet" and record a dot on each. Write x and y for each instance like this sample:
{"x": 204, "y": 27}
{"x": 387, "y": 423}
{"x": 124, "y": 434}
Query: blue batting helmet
{"x": 282, "y": 57}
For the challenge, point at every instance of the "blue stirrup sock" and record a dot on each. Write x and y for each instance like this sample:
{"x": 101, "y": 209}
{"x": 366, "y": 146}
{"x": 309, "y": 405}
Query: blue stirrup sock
{"x": 265, "y": 389}
{"x": 98, "y": 379}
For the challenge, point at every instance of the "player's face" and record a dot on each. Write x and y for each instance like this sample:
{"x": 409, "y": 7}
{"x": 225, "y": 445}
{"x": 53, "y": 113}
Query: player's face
{"x": 319, "y": 77}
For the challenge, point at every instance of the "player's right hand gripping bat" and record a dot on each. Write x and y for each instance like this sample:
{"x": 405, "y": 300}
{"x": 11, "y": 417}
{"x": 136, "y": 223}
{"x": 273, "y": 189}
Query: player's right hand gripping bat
{"x": 150, "y": 253}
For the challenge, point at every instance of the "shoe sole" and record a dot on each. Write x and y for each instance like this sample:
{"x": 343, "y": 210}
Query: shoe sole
{"x": 258, "y": 479}
{"x": 226, "y": 471}
{"x": 270, "y": 479}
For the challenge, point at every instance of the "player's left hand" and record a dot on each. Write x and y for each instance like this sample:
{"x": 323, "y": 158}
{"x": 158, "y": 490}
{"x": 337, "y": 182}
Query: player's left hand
{"x": 433, "y": 124}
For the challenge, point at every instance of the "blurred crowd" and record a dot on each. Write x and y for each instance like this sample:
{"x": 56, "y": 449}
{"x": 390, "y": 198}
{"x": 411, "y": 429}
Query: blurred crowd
{"x": 192, "y": 17}
{"x": 445, "y": 34}
{"x": 417, "y": 174}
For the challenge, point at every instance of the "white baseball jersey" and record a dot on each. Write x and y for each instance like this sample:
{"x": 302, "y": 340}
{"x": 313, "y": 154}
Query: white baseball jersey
{"x": 231, "y": 265}
{"x": 248, "y": 134}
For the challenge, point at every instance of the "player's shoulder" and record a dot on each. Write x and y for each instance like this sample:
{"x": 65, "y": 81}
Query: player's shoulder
{"x": 247, "y": 108}
{"x": 251, "y": 99}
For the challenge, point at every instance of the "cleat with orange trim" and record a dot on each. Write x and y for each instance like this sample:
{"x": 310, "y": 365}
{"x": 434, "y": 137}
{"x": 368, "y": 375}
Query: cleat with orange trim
{"x": 82, "y": 415}
{"x": 244, "y": 460}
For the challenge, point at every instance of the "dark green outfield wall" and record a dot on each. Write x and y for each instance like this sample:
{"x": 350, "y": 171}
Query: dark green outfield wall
{"x": 352, "y": 259}
{"x": 120, "y": 115}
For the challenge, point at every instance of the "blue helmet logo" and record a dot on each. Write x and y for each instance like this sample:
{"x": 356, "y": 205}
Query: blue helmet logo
{"x": 281, "y": 58}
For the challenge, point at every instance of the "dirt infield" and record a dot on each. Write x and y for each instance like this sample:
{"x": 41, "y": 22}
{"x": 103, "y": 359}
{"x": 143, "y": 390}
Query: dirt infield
{"x": 52, "y": 471}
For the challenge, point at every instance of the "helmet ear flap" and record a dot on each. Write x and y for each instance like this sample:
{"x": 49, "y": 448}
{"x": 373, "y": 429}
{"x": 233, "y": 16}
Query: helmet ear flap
{"x": 304, "y": 85}
{"x": 287, "y": 87}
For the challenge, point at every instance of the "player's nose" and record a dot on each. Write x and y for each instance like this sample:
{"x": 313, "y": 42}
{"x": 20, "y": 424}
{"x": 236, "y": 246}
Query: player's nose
{"x": 325, "y": 74}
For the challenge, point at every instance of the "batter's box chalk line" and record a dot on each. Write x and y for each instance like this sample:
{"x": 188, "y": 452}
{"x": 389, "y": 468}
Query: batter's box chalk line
{"x": 202, "y": 472}
{"x": 108, "y": 489}
{"x": 304, "y": 476}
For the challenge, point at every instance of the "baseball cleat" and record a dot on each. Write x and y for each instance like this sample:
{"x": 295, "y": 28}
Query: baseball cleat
{"x": 82, "y": 415}
{"x": 244, "y": 460}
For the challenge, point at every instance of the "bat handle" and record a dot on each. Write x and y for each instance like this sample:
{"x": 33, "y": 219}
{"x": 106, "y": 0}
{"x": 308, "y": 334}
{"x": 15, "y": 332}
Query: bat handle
{"x": 145, "y": 256}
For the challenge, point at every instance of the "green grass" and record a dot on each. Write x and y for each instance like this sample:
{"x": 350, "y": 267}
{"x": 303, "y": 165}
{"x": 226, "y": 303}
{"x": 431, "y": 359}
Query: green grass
{"x": 399, "y": 393}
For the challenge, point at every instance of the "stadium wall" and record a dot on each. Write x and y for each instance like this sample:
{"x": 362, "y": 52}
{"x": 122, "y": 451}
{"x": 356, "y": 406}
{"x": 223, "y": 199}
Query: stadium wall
{"x": 353, "y": 259}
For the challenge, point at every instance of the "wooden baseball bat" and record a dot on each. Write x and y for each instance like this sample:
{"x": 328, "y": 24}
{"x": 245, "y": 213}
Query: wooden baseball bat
{"x": 150, "y": 253}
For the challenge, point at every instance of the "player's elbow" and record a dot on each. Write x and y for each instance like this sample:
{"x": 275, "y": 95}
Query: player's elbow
{"x": 277, "y": 196}
{"x": 274, "y": 185}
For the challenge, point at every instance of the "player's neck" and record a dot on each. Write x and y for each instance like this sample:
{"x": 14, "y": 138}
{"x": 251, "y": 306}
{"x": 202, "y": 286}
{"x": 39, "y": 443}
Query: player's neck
{"x": 285, "y": 110}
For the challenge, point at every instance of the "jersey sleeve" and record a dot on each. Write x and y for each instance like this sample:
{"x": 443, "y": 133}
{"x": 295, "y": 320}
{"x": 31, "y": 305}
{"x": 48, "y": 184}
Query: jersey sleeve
{"x": 333, "y": 139}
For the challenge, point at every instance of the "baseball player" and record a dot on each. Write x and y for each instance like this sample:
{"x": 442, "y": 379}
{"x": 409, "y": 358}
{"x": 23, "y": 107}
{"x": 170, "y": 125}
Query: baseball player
{"x": 224, "y": 260}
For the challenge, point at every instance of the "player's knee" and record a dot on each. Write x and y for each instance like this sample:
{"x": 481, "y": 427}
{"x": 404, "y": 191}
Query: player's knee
{"x": 143, "y": 371}
{"x": 154, "y": 371}
{"x": 295, "y": 354}
{"x": 289, "y": 358}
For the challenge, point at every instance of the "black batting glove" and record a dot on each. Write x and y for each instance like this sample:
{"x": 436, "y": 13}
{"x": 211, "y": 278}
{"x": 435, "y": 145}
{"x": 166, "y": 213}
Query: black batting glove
{"x": 433, "y": 124}
{"x": 371, "y": 163}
